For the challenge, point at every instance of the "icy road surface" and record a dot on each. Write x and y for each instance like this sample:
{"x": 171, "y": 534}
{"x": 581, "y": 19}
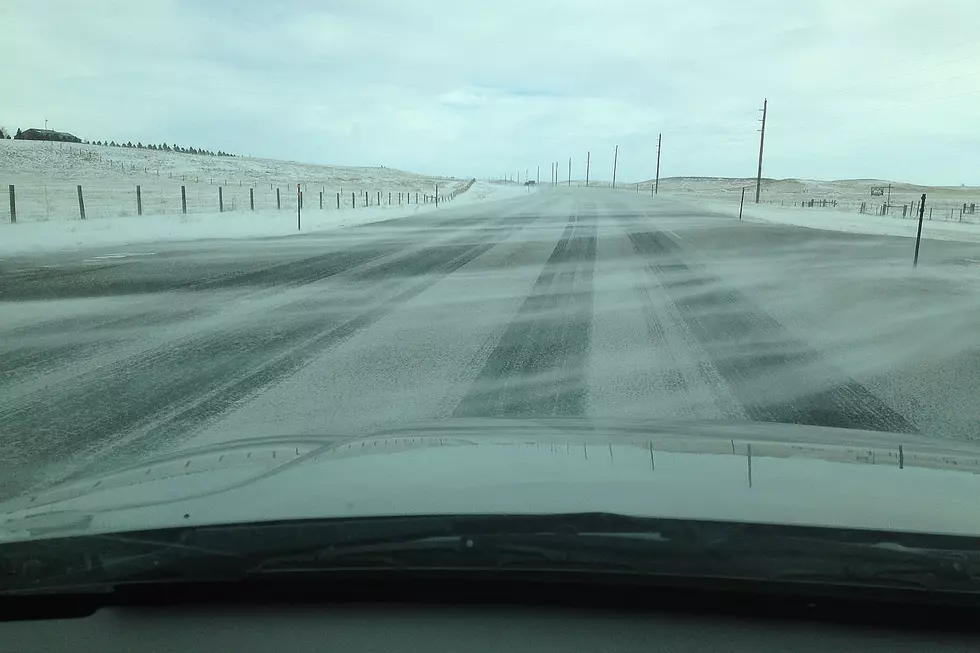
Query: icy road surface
{"x": 564, "y": 302}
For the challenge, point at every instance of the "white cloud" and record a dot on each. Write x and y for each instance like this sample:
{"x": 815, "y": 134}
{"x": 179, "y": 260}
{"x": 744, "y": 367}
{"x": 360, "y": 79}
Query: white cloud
{"x": 879, "y": 88}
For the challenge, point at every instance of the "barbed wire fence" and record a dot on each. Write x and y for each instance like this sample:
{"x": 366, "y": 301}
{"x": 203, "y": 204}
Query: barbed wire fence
{"x": 66, "y": 200}
{"x": 112, "y": 188}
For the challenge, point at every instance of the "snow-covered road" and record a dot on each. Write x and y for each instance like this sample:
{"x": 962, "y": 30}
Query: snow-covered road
{"x": 565, "y": 302}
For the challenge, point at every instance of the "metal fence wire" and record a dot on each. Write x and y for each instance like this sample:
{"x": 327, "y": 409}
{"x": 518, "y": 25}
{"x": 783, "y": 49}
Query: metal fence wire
{"x": 59, "y": 200}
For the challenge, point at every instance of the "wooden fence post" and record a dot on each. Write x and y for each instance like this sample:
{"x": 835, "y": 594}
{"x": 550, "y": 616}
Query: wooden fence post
{"x": 221, "y": 201}
{"x": 321, "y": 200}
{"x": 139, "y": 201}
{"x": 251, "y": 198}
{"x": 278, "y": 201}
{"x": 353, "y": 200}
{"x": 13, "y": 204}
{"x": 81, "y": 203}
{"x": 338, "y": 201}
{"x": 183, "y": 200}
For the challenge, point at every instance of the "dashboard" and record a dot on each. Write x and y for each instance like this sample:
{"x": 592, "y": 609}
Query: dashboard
{"x": 466, "y": 629}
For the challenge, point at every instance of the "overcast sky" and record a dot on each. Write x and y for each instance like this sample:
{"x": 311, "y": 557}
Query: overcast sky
{"x": 856, "y": 88}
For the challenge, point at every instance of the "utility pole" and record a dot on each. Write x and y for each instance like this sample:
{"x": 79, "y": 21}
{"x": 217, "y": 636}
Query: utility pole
{"x": 538, "y": 182}
{"x": 569, "y": 172}
{"x": 656, "y": 188}
{"x": 588, "y": 162}
{"x": 888, "y": 201}
{"x": 615, "y": 163}
{"x": 762, "y": 144}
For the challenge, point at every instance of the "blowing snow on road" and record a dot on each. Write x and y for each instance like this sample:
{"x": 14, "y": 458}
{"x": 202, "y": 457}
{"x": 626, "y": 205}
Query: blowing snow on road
{"x": 577, "y": 302}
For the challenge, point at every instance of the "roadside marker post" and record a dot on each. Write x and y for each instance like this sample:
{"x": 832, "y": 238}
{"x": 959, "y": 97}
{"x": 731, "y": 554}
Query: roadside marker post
{"x": 81, "y": 203}
{"x": 918, "y": 236}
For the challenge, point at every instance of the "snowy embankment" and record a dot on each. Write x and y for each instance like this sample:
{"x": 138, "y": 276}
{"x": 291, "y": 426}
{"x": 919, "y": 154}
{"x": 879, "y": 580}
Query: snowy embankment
{"x": 46, "y": 177}
{"x": 36, "y": 237}
{"x": 831, "y": 220}
{"x": 782, "y": 200}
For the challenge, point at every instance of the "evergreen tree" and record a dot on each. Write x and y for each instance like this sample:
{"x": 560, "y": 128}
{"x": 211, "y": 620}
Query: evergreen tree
{"x": 19, "y": 132}
{"x": 139, "y": 145}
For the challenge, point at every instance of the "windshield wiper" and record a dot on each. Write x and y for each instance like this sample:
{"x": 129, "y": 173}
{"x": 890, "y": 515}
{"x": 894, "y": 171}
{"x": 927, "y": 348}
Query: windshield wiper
{"x": 773, "y": 559}
{"x": 594, "y": 542}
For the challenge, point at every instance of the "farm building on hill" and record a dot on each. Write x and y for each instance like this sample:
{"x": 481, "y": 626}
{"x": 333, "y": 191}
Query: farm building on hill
{"x": 47, "y": 135}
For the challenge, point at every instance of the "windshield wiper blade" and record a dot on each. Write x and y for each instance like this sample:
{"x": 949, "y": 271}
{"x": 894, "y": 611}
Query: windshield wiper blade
{"x": 791, "y": 559}
{"x": 592, "y": 542}
{"x": 544, "y": 550}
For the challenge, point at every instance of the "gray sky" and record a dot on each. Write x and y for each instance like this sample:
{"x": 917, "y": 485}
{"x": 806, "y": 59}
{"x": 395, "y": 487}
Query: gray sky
{"x": 857, "y": 88}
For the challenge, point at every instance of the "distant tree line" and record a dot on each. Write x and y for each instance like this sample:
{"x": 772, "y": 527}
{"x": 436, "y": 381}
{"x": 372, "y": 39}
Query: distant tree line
{"x": 164, "y": 147}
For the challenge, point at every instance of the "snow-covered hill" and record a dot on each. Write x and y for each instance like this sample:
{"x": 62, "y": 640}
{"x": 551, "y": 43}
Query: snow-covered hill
{"x": 46, "y": 176}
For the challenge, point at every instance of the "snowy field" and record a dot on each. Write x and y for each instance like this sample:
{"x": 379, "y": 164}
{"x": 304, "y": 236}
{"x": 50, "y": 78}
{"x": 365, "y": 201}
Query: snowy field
{"x": 781, "y": 203}
{"x": 46, "y": 176}
{"x": 849, "y": 194}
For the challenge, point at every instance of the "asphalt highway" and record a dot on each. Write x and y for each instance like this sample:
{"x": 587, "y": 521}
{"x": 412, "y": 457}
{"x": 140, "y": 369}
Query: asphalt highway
{"x": 565, "y": 302}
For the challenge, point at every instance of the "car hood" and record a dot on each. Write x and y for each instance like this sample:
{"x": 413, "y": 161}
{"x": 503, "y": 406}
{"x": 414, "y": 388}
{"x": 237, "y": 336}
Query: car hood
{"x": 748, "y": 472}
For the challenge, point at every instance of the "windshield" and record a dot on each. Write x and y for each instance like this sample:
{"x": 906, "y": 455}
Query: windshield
{"x": 689, "y": 260}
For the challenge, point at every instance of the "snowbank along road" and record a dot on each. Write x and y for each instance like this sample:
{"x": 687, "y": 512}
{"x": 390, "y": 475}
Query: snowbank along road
{"x": 565, "y": 302}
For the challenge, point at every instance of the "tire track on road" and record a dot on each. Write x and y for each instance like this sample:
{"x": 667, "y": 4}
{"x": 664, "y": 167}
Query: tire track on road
{"x": 152, "y": 400}
{"x": 757, "y": 355}
{"x": 538, "y": 366}
{"x": 29, "y": 349}
{"x": 139, "y": 276}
